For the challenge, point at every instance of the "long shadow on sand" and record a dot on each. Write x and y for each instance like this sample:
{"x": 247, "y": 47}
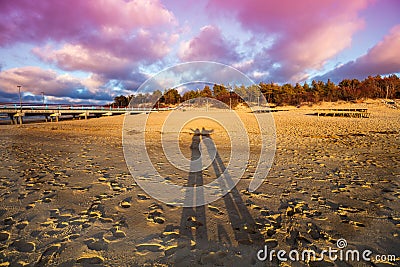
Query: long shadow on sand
{"x": 193, "y": 224}
{"x": 194, "y": 217}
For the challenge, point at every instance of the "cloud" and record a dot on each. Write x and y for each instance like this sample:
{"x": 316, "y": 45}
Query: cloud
{"x": 306, "y": 34}
{"x": 35, "y": 80}
{"x": 209, "y": 44}
{"x": 75, "y": 20}
{"x": 8, "y": 97}
{"x": 110, "y": 38}
{"x": 76, "y": 57}
{"x": 111, "y": 58}
{"x": 94, "y": 82}
{"x": 383, "y": 58}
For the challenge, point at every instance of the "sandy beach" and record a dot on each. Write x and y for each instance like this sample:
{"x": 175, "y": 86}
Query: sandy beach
{"x": 67, "y": 197}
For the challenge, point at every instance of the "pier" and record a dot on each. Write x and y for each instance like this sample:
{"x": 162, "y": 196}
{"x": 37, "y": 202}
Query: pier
{"x": 54, "y": 112}
{"x": 343, "y": 112}
{"x": 268, "y": 110}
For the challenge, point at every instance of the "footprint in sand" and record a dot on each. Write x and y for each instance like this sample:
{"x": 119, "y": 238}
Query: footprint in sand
{"x": 24, "y": 246}
{"x": 156, "y": 214}
{"x": 169, "y": 235}
{"x": 150, "y": 247}
{"x": 142, "y": 197}
{"x": 62, "y": 225}
{"x": 106, "y": 220}
{"x": 126, "y": 203}
{"x": 102, "y": 179}
{"x": 90, "y": 259}
{"x": 116, "y": 233}
{"x": 30, "y": 206}
{"x": 47, "y": 255}
{"x": 96, "y": 244}
{"x": 358, "y": 224}
{"x": 4, "y": 236}
{"x": 215, "y": 209}
{"x": 117, "y": 187}
{"x": 52, "y": 249}
{"x": 9, "y": 221}
{"x": 192, "y": 222}
{"x": 343, "y": 217}
{"x": 47, "y": 198}
{"x": 96, "y": 211}
{"x": 21, "y": 225}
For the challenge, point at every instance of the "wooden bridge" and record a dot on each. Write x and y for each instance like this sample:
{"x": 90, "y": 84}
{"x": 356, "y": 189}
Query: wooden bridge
{"x": 16, "y": 114}
{"x": 268, "y": 110}
{"x": 343, "y": 112}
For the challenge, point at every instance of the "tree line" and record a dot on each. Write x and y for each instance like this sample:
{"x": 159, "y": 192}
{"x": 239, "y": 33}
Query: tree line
{"x": 286, "y": 94}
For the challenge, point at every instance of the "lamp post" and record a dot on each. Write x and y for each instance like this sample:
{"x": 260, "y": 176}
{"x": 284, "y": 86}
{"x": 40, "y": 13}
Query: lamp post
{"x": 20, "y": 104}
{"x": 230, "y": 98}
{"x": 20, "y": 101}
{"x": 42, "y": 97}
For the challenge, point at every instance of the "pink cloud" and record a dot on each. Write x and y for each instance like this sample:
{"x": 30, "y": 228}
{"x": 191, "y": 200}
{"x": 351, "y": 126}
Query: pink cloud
{"x": 383, "y": 58}
{"x": 36, "y": 80}
{"x": 115, "y": 58}
{"x": 39, "y": 21}
{"x": 306, "y": 33}
{"x": 386, "y": 54}
{"x": 209, "y": 44}
{"x": 78, "y": 57}
{"x": 107, "y": 37}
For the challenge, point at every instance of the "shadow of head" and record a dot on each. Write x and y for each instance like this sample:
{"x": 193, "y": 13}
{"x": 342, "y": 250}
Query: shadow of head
{"x": 202, "y": 132}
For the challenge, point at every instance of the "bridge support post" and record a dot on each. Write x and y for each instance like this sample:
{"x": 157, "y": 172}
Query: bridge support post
{"x": 84, "y": 114}
{"x": 11, "y": 116}
{"x": 18, "y": 117}
{"x": 55, "y": 115}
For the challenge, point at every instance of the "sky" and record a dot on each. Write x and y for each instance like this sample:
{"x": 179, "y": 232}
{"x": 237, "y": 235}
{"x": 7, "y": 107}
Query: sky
{"x": 88, "y": 52}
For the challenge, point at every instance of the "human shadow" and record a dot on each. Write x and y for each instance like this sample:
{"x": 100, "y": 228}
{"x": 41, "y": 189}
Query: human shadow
{"x": 193, "y": 225}
{"x": 193, "y": 220}
{"x": 243, "y": 225}
{"x": 203, "y": 132}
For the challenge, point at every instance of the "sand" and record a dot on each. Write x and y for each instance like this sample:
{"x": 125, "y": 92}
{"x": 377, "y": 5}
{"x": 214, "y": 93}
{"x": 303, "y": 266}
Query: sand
{"x": 67, "y": 197}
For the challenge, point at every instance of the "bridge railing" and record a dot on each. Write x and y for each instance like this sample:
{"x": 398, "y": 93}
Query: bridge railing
{"x": 25, "y": 107}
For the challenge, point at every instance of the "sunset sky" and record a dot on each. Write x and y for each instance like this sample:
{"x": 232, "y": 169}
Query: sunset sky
{"x": 91, "y": 51}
